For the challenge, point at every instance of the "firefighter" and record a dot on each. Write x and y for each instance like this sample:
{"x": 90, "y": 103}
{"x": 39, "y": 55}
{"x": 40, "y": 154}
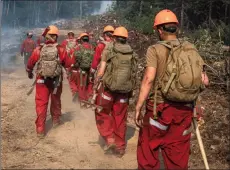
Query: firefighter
{"x": 116, "y": 69}
{"x": 82, "y": 58}
{"x": 27, "y": 47}
{"x": 107, "y": 38}
{"x": 166, "y": 124}
{"x": 48, "y": 78}
{"x": 70, "y": 42}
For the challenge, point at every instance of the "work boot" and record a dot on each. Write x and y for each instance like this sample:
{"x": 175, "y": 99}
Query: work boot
{"x": 75, "y": 97}
{"x": 108, "y": 149}
{"x": 119, "y": 152}
{"x": 82, "y": 105}
{"x": 56, "y": 124}
{"x": 41, "y": 135}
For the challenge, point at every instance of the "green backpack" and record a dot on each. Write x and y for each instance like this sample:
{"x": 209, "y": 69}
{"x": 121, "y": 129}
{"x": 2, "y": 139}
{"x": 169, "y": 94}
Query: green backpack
{"x": 121, "y": 70}
{"x": 84, "y": 57}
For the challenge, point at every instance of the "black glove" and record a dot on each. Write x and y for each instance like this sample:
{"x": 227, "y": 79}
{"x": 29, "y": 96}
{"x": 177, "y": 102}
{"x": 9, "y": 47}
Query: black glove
{"x": 30, "y": 75}
{"x": 22, "y": 54}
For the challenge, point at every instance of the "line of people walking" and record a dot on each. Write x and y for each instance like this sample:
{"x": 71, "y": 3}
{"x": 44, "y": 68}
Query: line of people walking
{"x": 105, "y": 77}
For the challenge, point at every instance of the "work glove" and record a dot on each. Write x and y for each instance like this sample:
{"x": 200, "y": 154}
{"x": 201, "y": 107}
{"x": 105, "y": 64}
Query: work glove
{"x": 21, "y": 54}
{"x": 91, "y": 77}
{"x": 97, "y": 80}
{"x": 200, "y": 114}
{"x": 30, "y": 75}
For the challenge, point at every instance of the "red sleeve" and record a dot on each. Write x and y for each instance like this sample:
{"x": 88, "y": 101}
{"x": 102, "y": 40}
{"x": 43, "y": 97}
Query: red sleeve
{"x": 64, "y": 43}
{"x": 97, "y": 56}
{"x": 65, "y": 60}
{"x": 23, "y": 46}
{"x": 33, "y": 59}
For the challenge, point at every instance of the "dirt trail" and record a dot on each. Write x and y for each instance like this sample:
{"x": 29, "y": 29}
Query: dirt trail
{"x": 75, "y": 144}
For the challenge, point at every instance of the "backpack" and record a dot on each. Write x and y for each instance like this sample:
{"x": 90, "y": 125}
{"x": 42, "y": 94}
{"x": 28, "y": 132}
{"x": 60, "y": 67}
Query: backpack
{"x": 71, "y": 43}
{"x": 121, "y": 70}
{"x": 181, "y": 80}
{"x": 84, "y": 57}
{"x": 49, "y": 64}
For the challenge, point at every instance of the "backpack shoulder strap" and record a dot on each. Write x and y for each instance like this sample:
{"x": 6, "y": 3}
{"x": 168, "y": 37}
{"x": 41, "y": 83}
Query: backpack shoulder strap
{"x": 111, "y": 52}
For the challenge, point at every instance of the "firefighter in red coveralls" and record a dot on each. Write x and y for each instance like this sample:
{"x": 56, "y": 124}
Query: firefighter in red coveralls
{"x": 171, "y": 131}
{"x": 27, "y": 47}
{"x": 73, "y": 73}
{"x": 111, "y": 120}
{"x": 80, "y": 78}
{"x": 49, "y": 86}
{"x": 107, "y": 36}
{"x": 70, "y": 42}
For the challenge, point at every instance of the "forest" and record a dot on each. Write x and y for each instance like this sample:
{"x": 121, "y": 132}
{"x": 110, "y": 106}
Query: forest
{"x": 33, "y": 13}
{"x": 213, "y": 15}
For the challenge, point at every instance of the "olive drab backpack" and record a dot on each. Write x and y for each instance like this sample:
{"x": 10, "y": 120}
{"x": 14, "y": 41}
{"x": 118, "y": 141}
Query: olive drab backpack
{"x": 120, "y": 74}
{"x": 84, "y": 57}
{"x": 71, "y": 43}
{"x": 49, "y": 64}
{"x": 181, "y": 80}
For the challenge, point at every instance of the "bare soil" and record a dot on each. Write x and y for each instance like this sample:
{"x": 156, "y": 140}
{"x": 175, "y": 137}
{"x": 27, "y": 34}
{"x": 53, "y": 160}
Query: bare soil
{"x": 75, "y": 144}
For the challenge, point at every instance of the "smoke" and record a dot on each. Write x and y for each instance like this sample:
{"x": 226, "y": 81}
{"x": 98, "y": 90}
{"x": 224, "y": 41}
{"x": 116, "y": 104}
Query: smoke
{"x": 104, "y": 7}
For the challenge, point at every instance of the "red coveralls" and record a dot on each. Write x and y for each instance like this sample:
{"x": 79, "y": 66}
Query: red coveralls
{"x": 27, "y": 48}
{"x": 81, "y": 77}
{"x": 65, "y": 42}
{"x": 74, "y": 73}
{"x": 111, "y": 121}
{"x": 171, "y": 132}
{"x": 44, "y": 90}
{"x": 96, "y": 60}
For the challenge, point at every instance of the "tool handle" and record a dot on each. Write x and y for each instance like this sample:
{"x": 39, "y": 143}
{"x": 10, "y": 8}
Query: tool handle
{"x": 55, "y": 90}
{"x": 200, "y": 142}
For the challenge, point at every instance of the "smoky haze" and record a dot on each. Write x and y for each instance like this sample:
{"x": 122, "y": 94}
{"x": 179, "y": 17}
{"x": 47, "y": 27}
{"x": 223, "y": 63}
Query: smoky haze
{"x": 21, "y": 16}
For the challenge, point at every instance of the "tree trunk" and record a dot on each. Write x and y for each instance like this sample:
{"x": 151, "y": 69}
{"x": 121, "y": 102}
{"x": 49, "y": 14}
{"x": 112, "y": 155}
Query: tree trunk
{"x": 34, "y": 13}
{"x": 38, "y": 15}
{"x": 140, "y": 9}
{"x": 8, "y": 7}
{"x": 182, "y": 15}
{"x": 226, "y": 13}
{"x": 1, "y": 7}
{"x": 80, "y": 9}
{"x": 210, "y": 13}
{"x": 59, "y": 8}
{"x": 14, "y": 7}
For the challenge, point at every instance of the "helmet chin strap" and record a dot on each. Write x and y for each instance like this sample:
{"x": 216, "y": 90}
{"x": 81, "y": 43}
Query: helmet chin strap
{"x": 49, "y": 38}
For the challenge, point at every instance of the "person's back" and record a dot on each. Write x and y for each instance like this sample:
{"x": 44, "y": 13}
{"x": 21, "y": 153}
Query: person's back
{"x": 49, "y": 59}
{"x": 114, "y": 92}
{"x": 173, "y": 70}
{"x": 83, "y": 56}
{"x": 70, "y": 42}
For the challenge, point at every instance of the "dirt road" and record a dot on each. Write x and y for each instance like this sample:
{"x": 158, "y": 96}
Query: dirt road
{"x": 75, "y": 144}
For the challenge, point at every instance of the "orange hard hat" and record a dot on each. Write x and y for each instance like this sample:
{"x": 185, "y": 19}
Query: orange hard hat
{"x": 83, "y": 34}
{"x": 108, "y": 28}
{"x": 120, "y": 32}
{"x": 165, "y": 16}
{"x": 53, "y": 30}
